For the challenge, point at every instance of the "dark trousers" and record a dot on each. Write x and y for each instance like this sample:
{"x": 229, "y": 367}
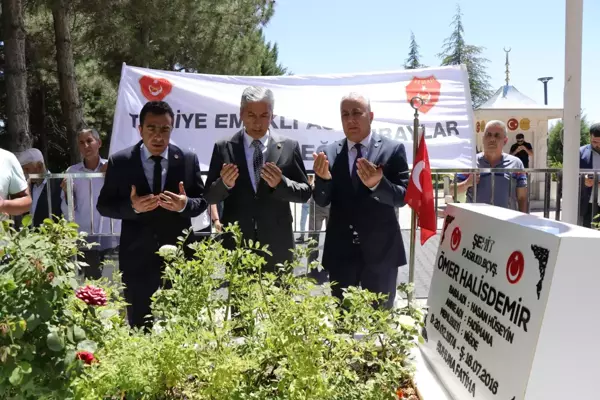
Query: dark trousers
{"x": 588, "y": 218}
{"x": 138, "y": 293}
{"x": 353, "y": 270}
{"x": 93, "y": 259}
{"x": 317, "y": 215}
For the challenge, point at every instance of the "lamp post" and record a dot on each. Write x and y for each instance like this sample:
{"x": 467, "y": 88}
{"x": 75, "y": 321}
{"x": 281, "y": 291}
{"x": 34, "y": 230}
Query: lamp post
{"x": 545, "y": 81}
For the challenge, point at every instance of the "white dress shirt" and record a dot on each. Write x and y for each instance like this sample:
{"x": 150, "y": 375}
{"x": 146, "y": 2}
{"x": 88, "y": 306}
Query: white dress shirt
{"x": 148, "y": 165}
{"x": 352, "y": 152}
{"x": 85, "y": 196}
{"x": 249, "y": 151}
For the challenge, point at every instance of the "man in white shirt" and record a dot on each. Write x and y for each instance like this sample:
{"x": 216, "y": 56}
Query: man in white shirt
{"x": 14, "y": 192}
{"x": 100, "y": 230}
{"x": 43, "y": 204}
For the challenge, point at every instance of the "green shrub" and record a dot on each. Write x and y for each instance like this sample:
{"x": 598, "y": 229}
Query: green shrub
{"x": 47, "y": 333}
{"x": 282, "y": 341}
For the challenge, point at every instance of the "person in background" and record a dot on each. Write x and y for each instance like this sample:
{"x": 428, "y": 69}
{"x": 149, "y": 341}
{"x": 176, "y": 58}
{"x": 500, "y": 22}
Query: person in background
{"x": 522, "y": 150}
{"x": 257, "y": 174}
{"x": 317, "y": 215}
{"x": 204, "y": 223}
{"x": 510, "y": 189}
{"x": 32, "y": 162}
{"x": 85, "y": 199}
{"x": 364, "y": 178}
{"x": 306, "y": 207}
{"x": 14, "y": 191}
{"x": 155, "y": 188}
{"x": 589, "y": 158}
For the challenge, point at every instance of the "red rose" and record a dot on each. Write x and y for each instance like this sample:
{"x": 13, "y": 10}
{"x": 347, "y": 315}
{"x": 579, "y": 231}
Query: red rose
{"x": 86, "y": 357}
{"x": 91, "y": 295}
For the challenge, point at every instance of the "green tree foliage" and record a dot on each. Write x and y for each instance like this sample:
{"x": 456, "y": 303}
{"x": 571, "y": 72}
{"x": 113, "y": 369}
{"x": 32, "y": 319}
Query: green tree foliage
{"x": 213, "y": 36}
{"x": 555, "y": 142}
{"x": 456, "y": 51}
{"x": 414, "y": 56}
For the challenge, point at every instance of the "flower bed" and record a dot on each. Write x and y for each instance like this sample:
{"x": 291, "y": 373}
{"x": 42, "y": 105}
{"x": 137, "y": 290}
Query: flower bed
{"x": 266, "y": 337}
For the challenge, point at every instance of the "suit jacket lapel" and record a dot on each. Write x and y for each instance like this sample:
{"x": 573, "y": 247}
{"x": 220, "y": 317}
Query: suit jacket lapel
{"x": 141, "y": 181}
{"x": 274, "y": 149}
{"x": 239, "y": 156}
{"x": 175, "y": 170}
{"x": 374, "y": 148}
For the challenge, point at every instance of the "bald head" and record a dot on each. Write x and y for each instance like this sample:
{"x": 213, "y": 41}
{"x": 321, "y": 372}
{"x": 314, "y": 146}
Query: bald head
{"x": 356, "y": 116}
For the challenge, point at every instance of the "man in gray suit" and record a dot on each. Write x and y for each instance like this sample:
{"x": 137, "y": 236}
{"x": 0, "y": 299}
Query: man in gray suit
{"x": 364, "y": 178}
{"x": 257, "y": 174}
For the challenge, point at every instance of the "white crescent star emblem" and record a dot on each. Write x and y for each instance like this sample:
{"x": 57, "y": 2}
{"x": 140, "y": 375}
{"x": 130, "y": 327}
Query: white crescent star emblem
{"x": 513, "y": 269}
{"x": 416, "y": 174}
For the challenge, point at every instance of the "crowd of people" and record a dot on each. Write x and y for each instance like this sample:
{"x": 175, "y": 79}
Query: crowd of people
{"x": 153, "y": 190}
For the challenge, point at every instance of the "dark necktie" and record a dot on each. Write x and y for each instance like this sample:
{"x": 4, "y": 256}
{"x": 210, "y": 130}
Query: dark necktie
{"x": 355, "y": 178}
{"x": 157, "y": 176}
{"x": 257, "y": 161}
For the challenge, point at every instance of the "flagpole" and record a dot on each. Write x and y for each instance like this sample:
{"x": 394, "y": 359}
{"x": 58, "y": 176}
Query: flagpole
{"x": 415, "y": 103}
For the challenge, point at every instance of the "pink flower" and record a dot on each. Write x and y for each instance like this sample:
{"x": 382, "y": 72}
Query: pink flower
{"x": 86, "y": 357}
{"x": 91, "y": 295}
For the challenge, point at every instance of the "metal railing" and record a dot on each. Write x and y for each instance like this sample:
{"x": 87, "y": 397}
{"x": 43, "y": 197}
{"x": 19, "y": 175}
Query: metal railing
{"x": 444, "y": 181}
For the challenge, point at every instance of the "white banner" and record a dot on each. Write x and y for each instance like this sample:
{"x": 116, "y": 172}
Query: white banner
{"x": 307, "y": 109}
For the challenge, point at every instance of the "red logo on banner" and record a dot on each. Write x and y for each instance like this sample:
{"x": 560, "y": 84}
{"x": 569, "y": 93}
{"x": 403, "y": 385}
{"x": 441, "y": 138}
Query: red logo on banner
{"x": 427, "y": 89}
{"x": 513, "y": 124}
{"x": 155, "y": 89}
{"x": 515, "y": 266}
{"x": 455, "y": 238}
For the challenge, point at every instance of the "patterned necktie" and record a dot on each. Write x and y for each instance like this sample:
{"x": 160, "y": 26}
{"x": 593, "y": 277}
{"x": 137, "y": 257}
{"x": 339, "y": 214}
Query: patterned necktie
{"x": 355, "y": 178}
{"x": 257, "y": 161}
{"x": 157, "y": 176}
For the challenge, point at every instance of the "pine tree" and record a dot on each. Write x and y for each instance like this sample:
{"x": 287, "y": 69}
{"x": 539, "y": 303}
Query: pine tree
{"x": 455, "y": 52}
{"x": 414, "y": 57}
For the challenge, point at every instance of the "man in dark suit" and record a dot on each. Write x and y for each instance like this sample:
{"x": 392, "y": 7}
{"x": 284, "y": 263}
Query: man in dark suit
{"x": 363, "y": 177}
{"x": 155, "y": 188}
{"x": 589, "y": 158}
{"x": 32, "y": 162}
{"x": 257, "y": 174}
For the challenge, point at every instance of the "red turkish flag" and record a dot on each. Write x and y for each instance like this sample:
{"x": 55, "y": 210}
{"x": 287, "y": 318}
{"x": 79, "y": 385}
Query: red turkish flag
{"x": 419, "y": 195}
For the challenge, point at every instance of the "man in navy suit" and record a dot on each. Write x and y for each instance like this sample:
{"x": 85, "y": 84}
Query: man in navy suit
{"x": 589, "y": 158}
{"x": 363, "y": 177}
{"x": 155, "y": 188}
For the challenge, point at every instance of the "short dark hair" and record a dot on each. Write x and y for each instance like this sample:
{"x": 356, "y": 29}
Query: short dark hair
{"x": 156, "y": 108}
{"x": 520, "y": 136}
{"x": 595, "y": 129}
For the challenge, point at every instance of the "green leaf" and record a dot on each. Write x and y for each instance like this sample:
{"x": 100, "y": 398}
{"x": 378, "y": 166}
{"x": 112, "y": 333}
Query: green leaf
{"x": 70, "y": 335}
{"x": 20, "y": 328}
{"x": 87, "y": 345}
{"x": 55, "y": 342}
{"x": 421, "y": 340}
{"x": 25, "y": 367}
{"x": 78, "y": 333}
{"x": 16, "y": 377}
{"x": 70, "y": 357}
{"x": 33, "y": 321}
{"x": 108, "y": 313}
{"x": 26, "y": 221}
